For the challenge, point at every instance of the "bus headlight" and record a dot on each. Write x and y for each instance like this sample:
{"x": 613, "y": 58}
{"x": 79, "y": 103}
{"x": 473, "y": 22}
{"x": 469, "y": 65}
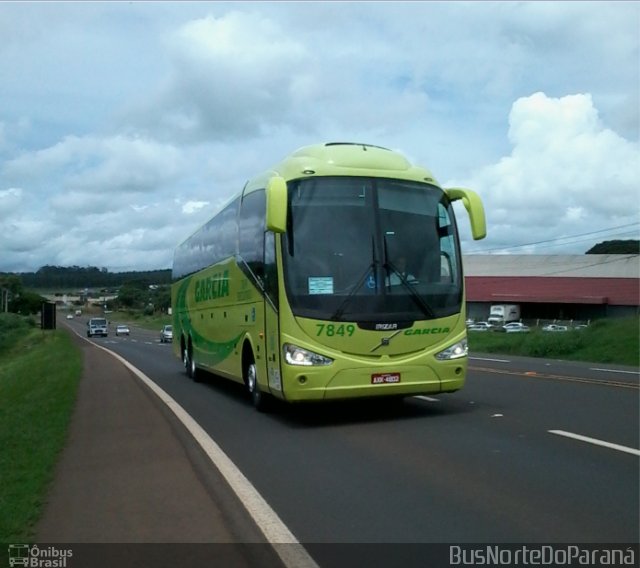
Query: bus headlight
{"x": 456, "y": 351}
{"x": 295, "y": 355}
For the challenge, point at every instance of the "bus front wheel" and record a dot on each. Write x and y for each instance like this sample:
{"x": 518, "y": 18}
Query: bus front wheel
{"x": 258, "y": 398}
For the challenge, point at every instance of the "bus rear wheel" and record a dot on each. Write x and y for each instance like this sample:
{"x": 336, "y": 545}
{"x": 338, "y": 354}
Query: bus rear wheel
{"x": 190, "y": 363}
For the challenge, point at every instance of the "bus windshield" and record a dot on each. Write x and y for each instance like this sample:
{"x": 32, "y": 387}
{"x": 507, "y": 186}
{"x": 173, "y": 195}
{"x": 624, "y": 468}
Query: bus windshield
{"x": 371, "y": 250}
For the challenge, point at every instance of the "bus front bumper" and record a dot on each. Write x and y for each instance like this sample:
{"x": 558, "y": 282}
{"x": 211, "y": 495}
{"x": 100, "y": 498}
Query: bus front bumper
{"x": 312, "y": 384}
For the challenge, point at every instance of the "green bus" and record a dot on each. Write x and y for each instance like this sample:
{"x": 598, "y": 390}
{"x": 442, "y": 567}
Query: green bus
{"x": 336, "y": 274}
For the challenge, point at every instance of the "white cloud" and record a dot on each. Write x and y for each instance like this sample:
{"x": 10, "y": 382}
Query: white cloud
{"x": 191, "y": 207}
{"x": 125, "y": 125}
{"x": 23, "y": 234}
{"x": 99, "y": 164}
{"x": 231, "y": 75}
{"x": 237, "y": 41}
{"x": 10, "y": 200}
{"x": 566, "y": 171}
{"x": 574, "y": 213}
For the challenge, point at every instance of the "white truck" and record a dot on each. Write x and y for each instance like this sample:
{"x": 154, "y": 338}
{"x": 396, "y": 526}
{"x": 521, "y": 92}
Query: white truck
{"x": 500, "y": 314}
{"x": 97, "y": 326}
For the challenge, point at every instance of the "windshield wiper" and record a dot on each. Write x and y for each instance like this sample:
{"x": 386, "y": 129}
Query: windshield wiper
{"x": 371, "y": 268}
{"x": 390, "y": 268}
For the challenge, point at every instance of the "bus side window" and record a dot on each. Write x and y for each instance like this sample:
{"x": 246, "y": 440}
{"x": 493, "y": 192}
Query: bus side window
{"x": 251, "y": 231}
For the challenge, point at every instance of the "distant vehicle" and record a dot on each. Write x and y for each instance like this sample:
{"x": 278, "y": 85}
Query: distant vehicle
{"x": 69, "y": 316}
{"x": 122, "y": 329}
{"x": 78, "y": 312}
{"x": 469, "y": 322}
{"x": 166, "y": 334}
{"x": 501, "y": 314}
{"x": 554, "y": 327}
{"x": 515, "y": 327}
{"x": 481, "y": 326}
{"x": 97, "y": 326}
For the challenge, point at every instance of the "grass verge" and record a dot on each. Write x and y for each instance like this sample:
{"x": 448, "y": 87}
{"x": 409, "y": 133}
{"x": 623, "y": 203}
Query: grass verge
{"x": 152, "y": 323}
{"x": 39, "y": 376}
{"x": 615, "y": 341}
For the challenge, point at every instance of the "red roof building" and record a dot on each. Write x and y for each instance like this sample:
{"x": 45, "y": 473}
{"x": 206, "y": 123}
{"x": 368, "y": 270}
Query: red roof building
{"x": 554, "y": 286}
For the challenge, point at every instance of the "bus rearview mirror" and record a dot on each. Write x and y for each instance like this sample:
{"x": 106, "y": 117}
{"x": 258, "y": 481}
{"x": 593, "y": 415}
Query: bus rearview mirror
{"x": 277, "y": 205}
{"x": 473, "y": 204}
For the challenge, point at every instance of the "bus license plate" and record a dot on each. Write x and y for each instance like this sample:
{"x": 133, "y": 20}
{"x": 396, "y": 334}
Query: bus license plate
{"x": 385, "y": 378}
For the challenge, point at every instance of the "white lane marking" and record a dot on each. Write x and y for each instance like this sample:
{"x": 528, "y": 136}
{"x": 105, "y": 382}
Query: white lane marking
{"x": 595, "y": 441}
{"x": 427, "y": 398}
{"x": 294, "y": 555}
{"x": 615, "y": 371}
{"x": 488, "y": 359}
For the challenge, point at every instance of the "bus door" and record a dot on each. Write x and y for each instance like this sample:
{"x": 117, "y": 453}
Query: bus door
{"x": 272, "y": 328}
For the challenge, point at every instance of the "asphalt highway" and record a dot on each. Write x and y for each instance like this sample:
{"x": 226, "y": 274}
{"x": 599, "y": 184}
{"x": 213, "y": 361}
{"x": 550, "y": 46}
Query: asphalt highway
{"x": 530, "y": 451}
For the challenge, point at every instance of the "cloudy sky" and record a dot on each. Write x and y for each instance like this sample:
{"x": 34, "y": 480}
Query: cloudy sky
{"x": 125, "y": 125}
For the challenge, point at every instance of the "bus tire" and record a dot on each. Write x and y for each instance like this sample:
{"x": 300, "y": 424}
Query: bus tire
{"x": 185, "y": 358}
{"x": 259, "y": 399}
{"x": 190, "y": 363}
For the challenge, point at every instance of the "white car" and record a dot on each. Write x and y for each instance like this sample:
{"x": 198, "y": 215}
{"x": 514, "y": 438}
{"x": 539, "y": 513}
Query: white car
{"x": 515, "y": 327}
{"x": 122, "y": 330}
{"x": 554, "y": 327}
{"x": 166, "y": 334}
{"x": 481, "y": 326}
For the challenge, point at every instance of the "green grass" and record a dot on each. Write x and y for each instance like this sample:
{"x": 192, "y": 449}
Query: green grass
{"x": 153, "y": 323}
{"x": 12, "y": 327}
{"x": 39, "y": 375}
{"x": 612, "y": 340}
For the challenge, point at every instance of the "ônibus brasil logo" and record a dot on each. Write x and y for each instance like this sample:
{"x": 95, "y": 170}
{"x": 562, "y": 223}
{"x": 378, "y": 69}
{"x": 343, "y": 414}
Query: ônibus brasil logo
{"x": 38, "y": 557}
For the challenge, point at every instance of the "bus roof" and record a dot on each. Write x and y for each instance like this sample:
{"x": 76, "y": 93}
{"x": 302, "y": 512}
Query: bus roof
{"x": 343, "y": 159}
{"x": 336, "y": 159}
